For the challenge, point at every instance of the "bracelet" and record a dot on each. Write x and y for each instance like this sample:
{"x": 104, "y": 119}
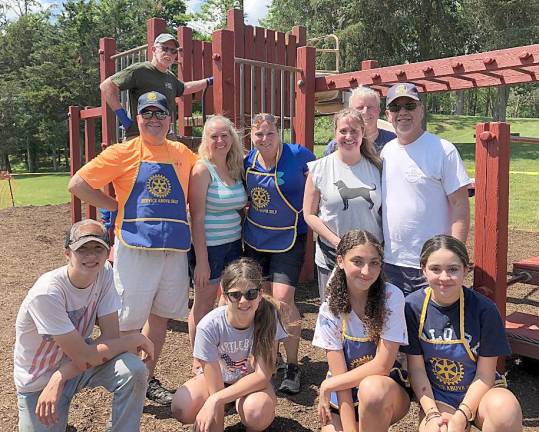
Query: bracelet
{"x": 471, "y": 417}
{"x": 468, "y": 421}
{"x": 431, "y": 415}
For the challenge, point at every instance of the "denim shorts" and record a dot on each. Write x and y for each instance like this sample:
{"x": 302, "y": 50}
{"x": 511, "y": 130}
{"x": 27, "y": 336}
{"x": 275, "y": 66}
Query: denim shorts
{"x": 218, "y": 258}
{"x": 408, "y": 279}
{"x": 282, "y": 267}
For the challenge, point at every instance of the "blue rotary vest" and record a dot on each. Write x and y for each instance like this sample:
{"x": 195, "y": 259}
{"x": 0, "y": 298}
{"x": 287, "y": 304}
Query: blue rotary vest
{"x": 450, "y": 364}
{"x": 154, "y": 216}
{"x": 271, "y": 222}
{"x": 358, "y": 351}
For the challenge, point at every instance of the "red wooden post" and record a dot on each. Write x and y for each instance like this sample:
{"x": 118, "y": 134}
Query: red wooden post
{"x": 368, "y": 64}
{"x": 301, "y": 35}
{"x": 223, "y": 73}
{"x": 74, "y": 157}
{"x": 304, "y": 128}
{"x": 89, "y": 152}
{"x": 207, "y": 66}
{"x": 107, "y": 48}
{"x": 154, "y": 27}
{"x": 491, "y": 212}
{"x": 185, "y": 74}
{"x": 235, "y": 24}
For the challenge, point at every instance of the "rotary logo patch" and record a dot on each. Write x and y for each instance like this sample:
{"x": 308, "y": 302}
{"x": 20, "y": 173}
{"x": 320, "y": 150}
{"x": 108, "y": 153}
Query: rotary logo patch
{"x": 158, "y": 185}
{"x": 260, "y": 197}
{"x": 448, "y": 372}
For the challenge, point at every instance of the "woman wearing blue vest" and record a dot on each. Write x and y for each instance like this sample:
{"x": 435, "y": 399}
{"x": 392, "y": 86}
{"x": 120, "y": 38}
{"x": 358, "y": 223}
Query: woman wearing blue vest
{"x": 216, "y": 196}
{"x": 274, "y": 232}
{"x": 456, "y": 336}
{"x": 361, "y": 326}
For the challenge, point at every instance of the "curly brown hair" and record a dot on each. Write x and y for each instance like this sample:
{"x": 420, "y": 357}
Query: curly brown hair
{"x": 338, "y": 296}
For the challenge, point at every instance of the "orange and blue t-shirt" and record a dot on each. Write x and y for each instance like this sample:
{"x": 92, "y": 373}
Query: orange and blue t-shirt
{"x": 118, "y": 164}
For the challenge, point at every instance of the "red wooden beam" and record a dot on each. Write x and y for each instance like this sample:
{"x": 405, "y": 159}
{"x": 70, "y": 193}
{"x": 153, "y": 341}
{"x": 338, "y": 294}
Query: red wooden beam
{"x": 511, "y": 65}
{"x": 107, "y": 48}
{"x": 90, "y": 113}
{"x": 235, "y": 24}
{"x": 74, "y": 157}
{"x": 223, "y": 73}
{"x": 185, "y": 74}
{"x": 89, "y": 154}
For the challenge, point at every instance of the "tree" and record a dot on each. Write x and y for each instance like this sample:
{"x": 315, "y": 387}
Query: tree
{"x": 212, "y": 15}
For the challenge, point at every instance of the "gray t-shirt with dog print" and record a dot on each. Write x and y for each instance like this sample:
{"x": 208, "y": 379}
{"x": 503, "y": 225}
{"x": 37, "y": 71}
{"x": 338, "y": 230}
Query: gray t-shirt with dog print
{"x": 350, "y": 198}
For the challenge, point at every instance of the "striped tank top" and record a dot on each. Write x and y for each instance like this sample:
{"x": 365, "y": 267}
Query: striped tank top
{"x": 223, "y": 203}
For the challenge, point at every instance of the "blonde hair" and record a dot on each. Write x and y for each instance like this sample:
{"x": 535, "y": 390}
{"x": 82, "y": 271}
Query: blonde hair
{"x": 260, "y": 118}
{"x": 234, "y": 157}
{"x": 366, "y": 149}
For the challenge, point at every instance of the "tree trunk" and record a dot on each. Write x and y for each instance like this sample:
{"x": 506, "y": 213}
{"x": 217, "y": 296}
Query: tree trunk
{"x": 54, "y": 158}
{"x": 459, "y": 107}
{"x": 4, "y": 162}
{"x": 500, "y": 108}
{"x": 31, "y": 156}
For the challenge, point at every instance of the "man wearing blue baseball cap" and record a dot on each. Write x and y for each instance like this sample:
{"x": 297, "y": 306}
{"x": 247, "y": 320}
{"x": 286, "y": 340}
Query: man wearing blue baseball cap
{"x": 424, "y": 189}
{"x": 140, "y": 78}
{"x": 150, "y": 175}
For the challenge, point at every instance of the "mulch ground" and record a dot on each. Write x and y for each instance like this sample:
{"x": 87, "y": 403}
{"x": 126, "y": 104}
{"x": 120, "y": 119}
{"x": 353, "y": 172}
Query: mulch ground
{"x": 31, "y": 242}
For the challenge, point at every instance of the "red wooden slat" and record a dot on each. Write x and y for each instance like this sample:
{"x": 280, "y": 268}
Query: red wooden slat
{"x": 235, "y": 23}
{"x": 223, "y": 72}
{"x": 185, "y": 74}
{"x": 208, "y": 71}
{"x": 260, "y": 54}
{"x": 291, "y": 60}
{"x": 270, "y": 58}
{"x": 89, "y": 152}
{"x": 74, "y": 157}
{"x": 248, "y": 53}
{"x": 89, "y": 113}
{"x": 197, "y": 66}
{"x": 280, "y": 58}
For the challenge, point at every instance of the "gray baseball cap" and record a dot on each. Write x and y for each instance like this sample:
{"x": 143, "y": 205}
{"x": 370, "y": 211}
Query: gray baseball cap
{"x": 165, "y": 37}
{"x": 87, "y": 230}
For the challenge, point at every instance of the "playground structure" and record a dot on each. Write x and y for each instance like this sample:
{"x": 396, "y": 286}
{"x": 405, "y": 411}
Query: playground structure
{"x": 259, "y": 70}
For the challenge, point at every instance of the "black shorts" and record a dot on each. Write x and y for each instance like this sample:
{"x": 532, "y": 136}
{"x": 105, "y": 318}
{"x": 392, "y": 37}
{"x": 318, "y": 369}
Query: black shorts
{"x": 282, "y": 267}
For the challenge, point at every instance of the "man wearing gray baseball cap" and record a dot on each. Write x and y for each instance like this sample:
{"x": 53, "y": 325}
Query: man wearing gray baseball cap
{"x": 424, "y": 189}
{"x": 140, "y": 78}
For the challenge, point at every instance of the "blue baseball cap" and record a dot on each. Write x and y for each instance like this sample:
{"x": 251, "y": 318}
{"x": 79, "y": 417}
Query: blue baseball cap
{"x": 154, "y": 99}
{"x": 402, "y": 90}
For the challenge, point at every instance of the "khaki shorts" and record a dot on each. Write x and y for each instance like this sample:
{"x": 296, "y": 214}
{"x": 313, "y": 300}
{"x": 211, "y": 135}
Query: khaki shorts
{"x": 155, "y": 282}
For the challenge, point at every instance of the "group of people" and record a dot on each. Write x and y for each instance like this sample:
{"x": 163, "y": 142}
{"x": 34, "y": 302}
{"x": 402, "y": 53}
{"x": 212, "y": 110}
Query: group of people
{"x": 394, "y": 321}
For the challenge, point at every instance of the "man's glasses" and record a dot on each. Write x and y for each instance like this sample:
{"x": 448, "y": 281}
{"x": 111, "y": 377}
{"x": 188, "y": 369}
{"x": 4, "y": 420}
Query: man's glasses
{"x": 250, "y": 294}
{"x": 169, "y": 49}
{"x": 159, "y": 115}
{"x": 408, "y": 106}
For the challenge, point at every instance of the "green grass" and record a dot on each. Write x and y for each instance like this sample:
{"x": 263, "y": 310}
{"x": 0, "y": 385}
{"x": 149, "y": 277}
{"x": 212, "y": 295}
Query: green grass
{"x": 35, "y": 189}
{"x": 524, "y": 164}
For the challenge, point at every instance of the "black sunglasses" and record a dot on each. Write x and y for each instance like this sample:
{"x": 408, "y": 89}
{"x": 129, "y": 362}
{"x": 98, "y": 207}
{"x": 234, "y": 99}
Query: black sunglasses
{"x": 250, "y": 294}
{"x": 159, "y": 115}
{"x": 408, "y": 106}
{"x": 169, "y": 49}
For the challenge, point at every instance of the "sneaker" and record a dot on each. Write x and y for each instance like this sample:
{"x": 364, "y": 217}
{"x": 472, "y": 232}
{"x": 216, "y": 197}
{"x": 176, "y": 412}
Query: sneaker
{"x": 157, "y": 393}
{"x": 291, "y": 383}
{"x": 280, "y": 365}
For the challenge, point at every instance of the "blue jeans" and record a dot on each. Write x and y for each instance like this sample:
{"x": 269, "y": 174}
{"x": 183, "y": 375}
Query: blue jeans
{"x": 408, "y": 279}
{"x": 125, "y": 376}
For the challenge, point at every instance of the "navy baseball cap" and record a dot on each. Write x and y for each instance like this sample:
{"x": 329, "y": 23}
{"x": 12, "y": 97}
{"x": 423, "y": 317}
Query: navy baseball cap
{"x": 165, "y": 37}
{"x": 402, "y": 90}
{"x": 154, "y": 99}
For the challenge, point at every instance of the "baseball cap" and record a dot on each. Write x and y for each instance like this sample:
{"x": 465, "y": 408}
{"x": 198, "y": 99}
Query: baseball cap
{"x": 165, "y": 37}
{"x": 154, "y": 99}
{"x": 402, "y": 90}
{"x": 87, "y": 230}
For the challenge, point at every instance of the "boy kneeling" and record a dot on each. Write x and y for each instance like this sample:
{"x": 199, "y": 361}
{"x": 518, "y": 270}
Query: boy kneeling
{"x": 54, "y": 357}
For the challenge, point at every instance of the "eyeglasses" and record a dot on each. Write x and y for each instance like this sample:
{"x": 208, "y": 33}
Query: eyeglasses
{"x": 250, "y": 294}
{"x": 169, "y": 49}
{"x": 408, "y": 106}
{"x": 262, "y": 117}
{"x": 159, "y": 115}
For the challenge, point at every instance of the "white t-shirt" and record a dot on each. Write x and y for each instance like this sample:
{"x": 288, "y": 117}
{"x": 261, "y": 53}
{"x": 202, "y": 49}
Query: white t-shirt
{"x": 53, "y": 307}
{"x": 416, "y": 180}
{"x": 217, "y": 340}
{"x": 328, "y": 330}
{"x": 350, "y": 197}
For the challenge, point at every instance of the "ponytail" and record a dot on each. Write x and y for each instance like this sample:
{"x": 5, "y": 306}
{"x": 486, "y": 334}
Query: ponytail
{"x": 267, "y": 318}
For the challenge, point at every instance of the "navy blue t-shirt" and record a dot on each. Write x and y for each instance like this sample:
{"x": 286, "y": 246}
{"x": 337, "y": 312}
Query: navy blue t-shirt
{"x": 291, "y": 175}
{"x": 483, "y": 326}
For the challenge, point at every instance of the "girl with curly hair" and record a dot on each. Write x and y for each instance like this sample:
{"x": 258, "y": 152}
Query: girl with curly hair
{"x": 237, "y": 347}
{"x": 361, "y": 326}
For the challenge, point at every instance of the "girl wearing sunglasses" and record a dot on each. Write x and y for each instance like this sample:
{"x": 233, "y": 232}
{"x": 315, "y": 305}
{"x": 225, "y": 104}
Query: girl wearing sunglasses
{"x": 236, "y": 345}
{"x": 456, "y": 336}
{"x": 361, "y": 326}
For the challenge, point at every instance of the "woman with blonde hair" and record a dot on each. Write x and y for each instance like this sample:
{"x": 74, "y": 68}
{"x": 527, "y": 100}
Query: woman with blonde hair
{"x": 216, "y": 197}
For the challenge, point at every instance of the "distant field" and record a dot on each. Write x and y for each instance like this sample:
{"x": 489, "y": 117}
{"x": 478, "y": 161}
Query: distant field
{"x": 35, "y": 189}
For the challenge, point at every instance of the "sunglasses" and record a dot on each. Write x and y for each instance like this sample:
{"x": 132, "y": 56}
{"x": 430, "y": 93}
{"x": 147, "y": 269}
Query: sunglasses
{"x": 169, "y": 49}
{"x": 250, "y": 294}
{"x": 259, "y": 118}
{"x": 159, "y": 115}
{"x": 408, "y": 106}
